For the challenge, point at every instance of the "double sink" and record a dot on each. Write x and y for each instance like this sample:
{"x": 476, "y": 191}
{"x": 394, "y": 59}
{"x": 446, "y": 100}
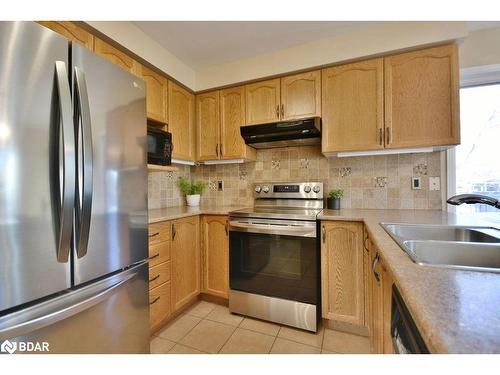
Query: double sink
{"x": 474, "y": 248}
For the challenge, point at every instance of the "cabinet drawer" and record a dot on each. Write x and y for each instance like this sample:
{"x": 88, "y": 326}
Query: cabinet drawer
{"x": 159, "y": 253}
{"x": 159, "y": 304}
{"x": 159, "y": 232}
{"x": 159, "y": 274}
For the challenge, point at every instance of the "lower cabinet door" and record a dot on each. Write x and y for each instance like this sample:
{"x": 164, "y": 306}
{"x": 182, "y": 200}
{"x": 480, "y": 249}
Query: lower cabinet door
{"x": 159, "y": 274}
{"x": 185, "y": 261}
{"x": 215, "y": 255}
{"x": 342, "y": 272}
{"x": 159, "y": 305}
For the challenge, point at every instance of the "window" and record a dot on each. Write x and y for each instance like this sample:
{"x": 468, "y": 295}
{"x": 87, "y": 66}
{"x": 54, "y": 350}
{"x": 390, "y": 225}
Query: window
{"x": 478, "y": 155}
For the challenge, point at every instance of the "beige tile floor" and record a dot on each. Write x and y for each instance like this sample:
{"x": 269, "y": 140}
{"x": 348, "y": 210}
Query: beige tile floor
{"x": 211, "y": 328}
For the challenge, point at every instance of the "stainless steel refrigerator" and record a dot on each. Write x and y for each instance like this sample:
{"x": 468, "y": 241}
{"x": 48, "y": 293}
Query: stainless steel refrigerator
{"x": 73, "y": 197}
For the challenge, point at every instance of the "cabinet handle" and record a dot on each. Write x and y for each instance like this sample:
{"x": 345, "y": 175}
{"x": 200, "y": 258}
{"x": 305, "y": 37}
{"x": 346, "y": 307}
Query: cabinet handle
{"x": 154, "y": 234}
{"x": 220, "y": 148}
{"x": 155, "y": 300}
{"x": 173, "y": 231}
{"x": 381, "y": 136}
{"x": 217, "y": 150}
{"x": 374, "y": 266}
{"x": 227, "y": 228}
{"x": 154, "y": 256}
{"x": 389, "y": 135}
{"x": 278, "y": 111}
{"x": 282, "y": 111}
{"x": 323, "y": 233}
{"x": 154, "y": 278}
{"x": 365, "y": 243}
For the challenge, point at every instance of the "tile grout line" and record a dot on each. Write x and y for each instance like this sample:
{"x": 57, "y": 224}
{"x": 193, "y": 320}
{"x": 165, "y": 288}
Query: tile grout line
{"x": 231, "y": 335}
{"x": 275, "y": 338}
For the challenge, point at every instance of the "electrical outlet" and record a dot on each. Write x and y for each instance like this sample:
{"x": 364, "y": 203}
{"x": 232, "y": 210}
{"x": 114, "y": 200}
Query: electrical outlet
{"x": 434, "y": 183}
{"x": 220, "y": 185}
{"x": 416, "y": 183}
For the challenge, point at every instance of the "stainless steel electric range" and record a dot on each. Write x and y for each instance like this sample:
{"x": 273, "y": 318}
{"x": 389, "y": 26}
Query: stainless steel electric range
{"x": 274, "y": 255}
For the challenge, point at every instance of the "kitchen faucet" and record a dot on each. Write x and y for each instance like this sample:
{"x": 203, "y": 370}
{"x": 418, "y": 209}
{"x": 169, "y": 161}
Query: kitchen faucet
{"x": 473, "y": 198}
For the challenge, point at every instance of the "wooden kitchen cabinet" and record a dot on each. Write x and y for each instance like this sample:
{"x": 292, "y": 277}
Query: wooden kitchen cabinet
{"x": 232, "y": 118}
{"x": 263, "y": 102}
{"x": 71, "y": 32}
{"x": 208, "y": 126}
{"x": 185, "y": 261}
{"x": 159, "y": 274}
{"x": 155, "y": 95}
{"x": 116, "y": 56}
{"x": 215, "y": 255}
{"x": 381, "y": 304}
{"x": 181, "y": 124}
{"x": 353, "y": 107}
{"x": 342, "y": 273}
{"x": 301, "y": 96}
{"x": 422, "y": 98}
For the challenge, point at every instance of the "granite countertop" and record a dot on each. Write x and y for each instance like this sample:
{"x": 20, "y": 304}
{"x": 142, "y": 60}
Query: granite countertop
{"x": 455, "y": 311}
{"x": 172, "y": 213}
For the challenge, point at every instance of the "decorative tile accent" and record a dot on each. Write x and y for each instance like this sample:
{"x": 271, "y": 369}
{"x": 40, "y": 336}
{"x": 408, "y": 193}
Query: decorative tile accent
{"x": 420, "y": 169}
{"x": 380, "y": 182}
{"x": 345, "y": 171}
{"x": 275, "y": 164}
{"x": 243, "y": 175}
{"x": 304, "y": 163}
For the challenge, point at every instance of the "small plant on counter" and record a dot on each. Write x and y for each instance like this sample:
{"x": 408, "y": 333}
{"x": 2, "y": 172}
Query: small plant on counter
{"x": 333, "y": 201}
{"x": 192, "y": 190}
{"x": 336, "y": 193}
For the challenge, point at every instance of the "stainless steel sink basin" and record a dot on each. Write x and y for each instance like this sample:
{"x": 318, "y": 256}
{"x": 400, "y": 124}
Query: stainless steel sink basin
{"x": 443, "y": 233}
{"x": 483, "y": 256}
{"x": 450, "y": 246}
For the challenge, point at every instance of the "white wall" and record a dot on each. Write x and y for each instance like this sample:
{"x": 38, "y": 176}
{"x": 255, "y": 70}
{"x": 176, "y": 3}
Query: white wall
{"x": 482, "y": 47}
{"x": 372, "y": 41}
{"x": 134, "y": 39}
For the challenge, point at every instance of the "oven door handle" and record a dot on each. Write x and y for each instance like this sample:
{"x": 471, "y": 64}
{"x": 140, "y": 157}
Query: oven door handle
{"x": 282, "y": 230}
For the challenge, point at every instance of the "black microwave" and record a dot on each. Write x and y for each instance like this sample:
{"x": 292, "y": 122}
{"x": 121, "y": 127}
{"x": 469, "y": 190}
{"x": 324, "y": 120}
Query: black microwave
{"x": 159, "y": 147}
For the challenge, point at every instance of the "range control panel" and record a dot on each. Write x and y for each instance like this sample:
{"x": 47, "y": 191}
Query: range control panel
{"x": 302, "y": 190}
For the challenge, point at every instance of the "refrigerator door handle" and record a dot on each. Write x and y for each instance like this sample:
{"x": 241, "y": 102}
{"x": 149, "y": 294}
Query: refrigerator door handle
{"x": 85, "y": 165}
{"x": 66, "y": 187}
{"x": 31, "y": 320}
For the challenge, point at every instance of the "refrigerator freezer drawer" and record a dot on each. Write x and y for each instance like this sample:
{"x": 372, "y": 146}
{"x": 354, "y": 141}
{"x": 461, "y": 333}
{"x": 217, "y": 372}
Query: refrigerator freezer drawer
{"x": 159, "y": 301}
{"x": 109, "y": 316}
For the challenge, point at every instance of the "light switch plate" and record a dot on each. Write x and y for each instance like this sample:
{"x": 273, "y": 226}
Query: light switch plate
{"x": 220, "y": 185}
{"x": 434, "y": 183}
{"x": 416, "y": 183}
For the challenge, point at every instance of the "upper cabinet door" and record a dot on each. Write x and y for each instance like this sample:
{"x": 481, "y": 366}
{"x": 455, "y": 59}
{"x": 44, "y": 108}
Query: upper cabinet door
{"x": 353, "y": 107}
{"x": 116, "y": 56}
{"x": 232, "y": 118}
{"x": 181, "y": 122}
{"x": 263, "y": 102}
{"x": 71, "y": 32}
{"x": 421, "y": 98}
{"x": 301, "y": 96}
{"x": 155, "y": 95}
{"x": 207, "y": 125}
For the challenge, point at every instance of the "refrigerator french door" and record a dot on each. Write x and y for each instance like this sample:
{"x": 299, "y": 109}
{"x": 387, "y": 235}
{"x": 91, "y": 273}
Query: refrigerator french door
{"x": 73, "y": 197}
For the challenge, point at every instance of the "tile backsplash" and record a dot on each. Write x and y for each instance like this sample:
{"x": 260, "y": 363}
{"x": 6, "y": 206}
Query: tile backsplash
{"x": 382, "y": 181}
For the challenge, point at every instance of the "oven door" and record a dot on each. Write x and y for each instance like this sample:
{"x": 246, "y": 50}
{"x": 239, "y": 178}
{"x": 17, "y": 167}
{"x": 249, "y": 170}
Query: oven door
{"x": 275, "y": 258}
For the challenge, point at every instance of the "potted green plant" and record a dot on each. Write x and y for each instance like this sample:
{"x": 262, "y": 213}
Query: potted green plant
{"x": 192, "y": 190}
{"x": 333, "y": 201}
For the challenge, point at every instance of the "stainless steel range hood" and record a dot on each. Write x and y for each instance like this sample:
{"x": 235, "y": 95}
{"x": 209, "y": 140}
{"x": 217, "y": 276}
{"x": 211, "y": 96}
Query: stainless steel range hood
{"x": 283, "y": 134}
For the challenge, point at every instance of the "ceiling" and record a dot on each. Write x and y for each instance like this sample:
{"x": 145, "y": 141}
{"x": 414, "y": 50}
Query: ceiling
{"x": 200, "y": 44}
